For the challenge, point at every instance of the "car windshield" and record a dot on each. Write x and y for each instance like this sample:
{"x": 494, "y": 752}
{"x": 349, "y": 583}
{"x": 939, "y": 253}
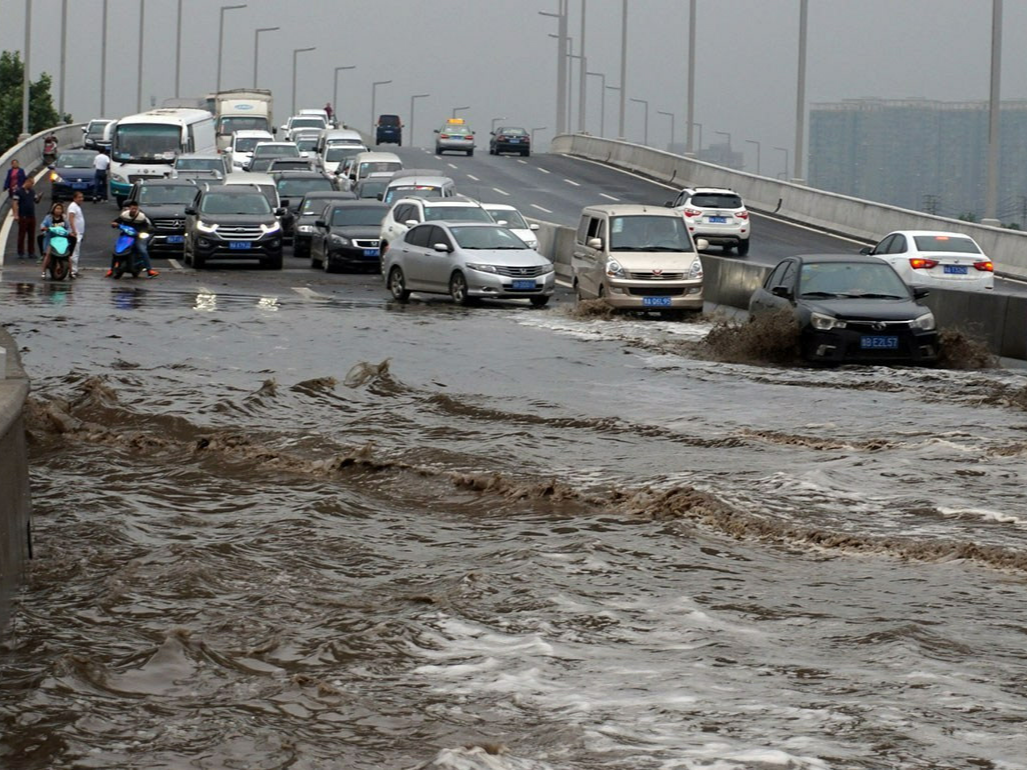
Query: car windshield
{"x": 357, "y": 216}
{"x": 457, "y": 214}
{"x": 388, "y": 120}
{"x": 289, "y": 164}
{"x": 234, "y": 203}
{"x": 76, "y": 159}
{"x": 641, "y": 232}
{"x": 486, "y": 238}
{"x": 420, "y": 190}
{"x": 956, "y": 243}
{"x": 157, "y": 195}
{"x": 509, "y": 218}
{"x": 199, "y": 164}
{"x": 97, "y": 126}
{"x": 371, "y": 188}
{"x": 716, "y": 201}
{"x": 276, "y": 151}
{"x": 313, "y": 205}
{"x": 378, "y": 165}
{"x": 232, "y": 123}
{"x": 851, "y": 279}
{"x": 337, "y": 153}
{"x": 247, "y": 143}
{"x": 306, "y": 145}
{"x": 146, "y": 142}
{"x": 295, "y": 188}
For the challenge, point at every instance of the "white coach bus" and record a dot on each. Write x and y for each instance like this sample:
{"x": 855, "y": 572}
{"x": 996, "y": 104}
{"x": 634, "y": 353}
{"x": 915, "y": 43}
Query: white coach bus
{"x": 144, "y": 146}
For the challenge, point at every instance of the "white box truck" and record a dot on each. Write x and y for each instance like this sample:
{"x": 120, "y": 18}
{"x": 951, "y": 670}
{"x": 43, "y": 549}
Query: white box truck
{"x": 241, "y": 108}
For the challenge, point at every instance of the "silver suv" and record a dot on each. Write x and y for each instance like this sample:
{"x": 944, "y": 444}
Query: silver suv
{"x": 410, "y": 211}
{"x": 716, "y": 214}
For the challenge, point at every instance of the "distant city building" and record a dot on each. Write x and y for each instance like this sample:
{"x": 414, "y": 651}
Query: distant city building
{"x": 920, "y": 154}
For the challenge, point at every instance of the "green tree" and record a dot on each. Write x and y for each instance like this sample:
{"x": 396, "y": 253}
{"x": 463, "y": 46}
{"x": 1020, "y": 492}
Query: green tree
{"x": 41, "y": 110}
{"x": 969, "y": 216}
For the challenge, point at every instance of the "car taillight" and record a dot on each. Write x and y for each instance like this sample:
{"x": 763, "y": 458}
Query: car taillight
{"x": 501, "y": 138}
{"x": 443, "y": 136}
{"x": 470, "y": 137}
{"x": 743, "y": 214}
{"x": 919, "y": 263}
{"x": 692, "y": 212}
{"x": 985, "y": 267}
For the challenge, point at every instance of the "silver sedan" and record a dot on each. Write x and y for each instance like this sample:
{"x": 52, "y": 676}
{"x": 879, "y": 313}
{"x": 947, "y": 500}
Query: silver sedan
{"x": 469, "y": 261}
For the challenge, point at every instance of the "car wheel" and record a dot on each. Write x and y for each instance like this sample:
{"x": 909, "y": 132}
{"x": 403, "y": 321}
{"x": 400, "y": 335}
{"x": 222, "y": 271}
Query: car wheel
{"x": 327, "y": 264}
{"x": 470, "y": 153}
{"x": 743, "y": 248}
{"x": 539, "y": 301}
{"x": 727, "y": 247}
{"x": 438, "y": 150}
{"x": 273, "y": 263}
{"x": 458, "y": 289}
{"x": 525, "y": 153}
{"x": 398, "y": 285}
{"x": 198, "y": 261}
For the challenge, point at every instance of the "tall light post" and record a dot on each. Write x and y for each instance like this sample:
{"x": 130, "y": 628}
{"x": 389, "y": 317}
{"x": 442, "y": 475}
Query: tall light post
{"x": 602, "y": 101}
{"x": 139, "y": 75}
{"x": 645, "y": 134}
{"x": 623, "y": 66}
{"x": 374, "y": 96}
{"x": 581, "y": 73}
{"x": 410, "y": 134}
{"x": 540, "y": 128}
{"x": 25, "y": 78}
{"x": 178, "y": 49}
{"x": 991, "y": 194}
{"x": 581, "y": 125}
{"x": 64, "y": 50}
{"x": 221, "y": 36}
{"x": 753, "y": 141}
{"x": 800, "y": 96}
{"x": 295, "y": 54}
{"x": 256, "y": 49}
{"x": 457, "y": 109}
{"x": 785, "y": 151}
{"x": 496, "y": 120}
{"x": 690, "y": 112}
{"x": 103, "y": 62}
{"x": 729, "y": 155}
{"x": 335, "y": 87}
{"x": 561, "y": 64}
{"x": 614, "y": 88}
{"x": 699, "y": 147}
{"x": 671, "y": 116}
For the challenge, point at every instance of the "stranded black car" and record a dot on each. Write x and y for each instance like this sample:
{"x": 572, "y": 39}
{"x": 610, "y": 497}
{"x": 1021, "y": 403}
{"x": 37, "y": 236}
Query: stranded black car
{"x": 164, "y": 201}
{"x": 232, "y": 222}
{"x": 311, "y": 208}
{"x": 348, "y": 236}
{"x": 850, "y": 309}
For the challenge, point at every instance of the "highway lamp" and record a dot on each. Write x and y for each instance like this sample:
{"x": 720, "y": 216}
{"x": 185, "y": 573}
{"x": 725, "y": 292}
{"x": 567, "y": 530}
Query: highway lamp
{"x": 139, "y": 75}
{"x": 690, "y": 107}
{"x": 64, "y": 50}
{"x": 693, "y": 123}
{"x": 25, "y": 71}
{"x": 570, "y": 78}
{"x": 991, "y": 194}
{"x": 613, "y": 88}
{"x": 178, "y": 49}
{"x": 103, "y": 61}
{"x": 496, "y": 120}
{"x": 753, "y": 141}
{"x": 410, "y": 133}
{"x": 645, "y": 134}
{"x": 581, "y": 120}
{"x": 335, "y": 87}
{"x": 800, "y": 98}
{"x": 785, "y": 151}
{"x": 581, "y": 74}
{"x": 457, "y": 109}
{"x": 671, "y": 116}
{"x": 540, "y": 128}
{"x": 561, "y": 64}
{"x": 374, "y": 96}
{"x": 295, "y": 54}
{"x": 256, "y": 49}
{"x": 728, "y": 135}
{"x": 602, "y": 101}
{"x": 623, "y": 65}
{"x": 221, "y": 35}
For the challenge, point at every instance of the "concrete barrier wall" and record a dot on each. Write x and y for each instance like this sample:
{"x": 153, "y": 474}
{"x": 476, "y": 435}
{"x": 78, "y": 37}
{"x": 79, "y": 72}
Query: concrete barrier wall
{"x": 863, "y": 220}
{"x": 15, "y": 503}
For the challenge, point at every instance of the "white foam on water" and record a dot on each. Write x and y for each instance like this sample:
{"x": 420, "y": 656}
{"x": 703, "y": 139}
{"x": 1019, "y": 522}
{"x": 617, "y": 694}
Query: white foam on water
{"x": 983, "y": 515}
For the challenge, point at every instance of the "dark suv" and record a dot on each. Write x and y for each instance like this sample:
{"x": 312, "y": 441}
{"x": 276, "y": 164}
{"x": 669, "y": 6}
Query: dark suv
{"x": 164, "y": 201}
{"x": 388, "y": 130}
{"x": 232, "y": 222}
{"x": 292, "y": 186}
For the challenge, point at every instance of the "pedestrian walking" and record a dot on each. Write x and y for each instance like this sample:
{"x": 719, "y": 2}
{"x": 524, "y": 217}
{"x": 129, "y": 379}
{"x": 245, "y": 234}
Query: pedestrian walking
{"x": 77, "y": 225}
{"x": 101, "y": 163}
{"x": 24, "y": 209}
{"x": 14, "y": 178}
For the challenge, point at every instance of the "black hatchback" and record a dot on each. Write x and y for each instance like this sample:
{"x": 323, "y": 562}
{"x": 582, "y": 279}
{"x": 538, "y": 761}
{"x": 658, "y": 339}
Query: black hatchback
{"x": 850, "y": 309}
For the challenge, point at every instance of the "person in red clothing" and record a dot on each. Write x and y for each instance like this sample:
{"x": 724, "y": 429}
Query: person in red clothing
{"x": 14, "y": 178}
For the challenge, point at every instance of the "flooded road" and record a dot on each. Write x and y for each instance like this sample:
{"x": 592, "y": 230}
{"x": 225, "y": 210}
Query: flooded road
{"x": 317, "y": 529}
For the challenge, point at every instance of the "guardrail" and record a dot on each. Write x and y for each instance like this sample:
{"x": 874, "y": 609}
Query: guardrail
{"x": 864, "y": 220}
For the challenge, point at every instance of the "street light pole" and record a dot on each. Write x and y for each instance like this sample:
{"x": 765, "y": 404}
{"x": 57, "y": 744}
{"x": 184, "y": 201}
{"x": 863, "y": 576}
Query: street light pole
{"x": 496, "y": 120}
{"x": 374, "y": 93}
{"x": 753, "y": 141}
{"x": 623, "y": 66}
{"x": 645, "y": 134}
{"x": 410, "y": 134}
{"x": 800, "y": 97}
{"x": 580, "y": 119}
{"x": 25, "y": 77}
{"x": 785, "y": 151}
{"x": 64, "y": 50}
{"x": 335, "y": 88}
{"x": 689, "y": 147}
{"x": 540, "y": 128}
{"x": 256, "y": 49}
{"x": 103, "y": 62}
{"x": 991, "y": 195}
{"x": 729, "y": 153}
{"x": 295, "y": 54}
{"x": 699, "y": 147}
{"x": 602, "y": 101}
{"x": 221, "y": 36}
{"x": 671, "y": 115}
{"x": 561, "y": 62}
{"x": 581, "y": 73}
{"x": 178, "y": 50}
{"x": 139, "y": 76}
{"x": 455, "y": 109}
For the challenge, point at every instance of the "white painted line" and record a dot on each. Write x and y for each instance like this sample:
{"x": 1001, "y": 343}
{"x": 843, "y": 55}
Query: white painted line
{"x": 451, "y": 165}
{"x": 542, "y": 170}
{"x": 175, "y": 264}
{"x": 473, "y": 178}
{"x": 522, "y": 160}
{"x": 571, "y": 181}
{"x": 608, "y": 197}
{"x": 536, "y": 206}
{"x": 501, "y": 192}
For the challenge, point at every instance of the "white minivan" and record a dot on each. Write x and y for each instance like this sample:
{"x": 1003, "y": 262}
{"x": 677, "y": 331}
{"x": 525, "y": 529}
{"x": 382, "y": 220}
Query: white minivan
{"x": 368, "y": 162}
{"x": 240, "y": 151}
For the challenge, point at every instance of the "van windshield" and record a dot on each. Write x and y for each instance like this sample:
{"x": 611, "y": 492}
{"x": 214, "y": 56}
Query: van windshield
{"x": 246, "y": 144}
{"x": 232, "y": 123}
{"x": 336, "y": 153}
{"x": 146, "y": 143}
{"x": 649, "y": 233}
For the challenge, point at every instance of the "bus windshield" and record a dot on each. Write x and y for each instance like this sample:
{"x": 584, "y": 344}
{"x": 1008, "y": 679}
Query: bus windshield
{"x": 146, "y": 143}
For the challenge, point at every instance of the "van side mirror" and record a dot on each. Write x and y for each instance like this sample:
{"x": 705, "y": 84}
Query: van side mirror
{"x": 190, "y": 211}
{"x": 919, "y": 292}
{"x": 595, "y": 243}
{"x": 280, "y": 212}
{"x": 701, "y": 244}
{"x": 320, "y": 223}
{"x": 781, "y": 291}
{"x": 669, "y": 204}
{"x": 411, "y": 222}
{"x": 534, "y": 226}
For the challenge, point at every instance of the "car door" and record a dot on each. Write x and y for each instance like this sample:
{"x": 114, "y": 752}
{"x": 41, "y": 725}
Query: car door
{"x": 438, "y": 264}
{"x": 760, "y": 301}
{"x": 588, "y": 262}
{"x": 780, "y": 287}
{"x": 415, "y": 260}
{"x": 319, "y": 241}
{"x": 395, "y": 227}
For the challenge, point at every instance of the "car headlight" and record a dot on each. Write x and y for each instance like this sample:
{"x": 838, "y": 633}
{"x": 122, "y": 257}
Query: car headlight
{"x": 272, "y": 228}
{"x": 695, "y": 271}
{"x": 340, "y": 240}
{"x": 923, "y": 323}
{"x": 532, "y": 244}
{"x": 548, "y": 268}
{"x": 305, "y": 229}
{"x": 481, "y": 268}
{"x": 55, "y": 177}
{"x": 615, "y": 270}
{"x": 825, "y": 322}
{"x": 203, "y": 227}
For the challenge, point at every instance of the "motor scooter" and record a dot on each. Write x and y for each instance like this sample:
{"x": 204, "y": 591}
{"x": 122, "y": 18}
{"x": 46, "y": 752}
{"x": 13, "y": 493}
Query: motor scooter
{"x": 49, "y": 150}
{"x": 126, "y": 257}
{"x": 60, "y": 252}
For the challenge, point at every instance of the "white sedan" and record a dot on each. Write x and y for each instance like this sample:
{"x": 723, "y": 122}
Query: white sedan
{"x": 936, "y": 259}
{"x": 511, "y": 218}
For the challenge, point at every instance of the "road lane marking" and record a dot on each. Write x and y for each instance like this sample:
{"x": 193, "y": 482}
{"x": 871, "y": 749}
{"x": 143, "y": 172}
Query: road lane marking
{"x": 544, "y": 171}
{"x": 521, "y": 160}
{"x": 175, "y": 264}
{"x": 501, "y": 192}
{"x": 609, "y": 197}
{"x": 451, "y": 165}
{"x": 571, "y": 181}
{"x": 540, "y": 208}
{"x": 473, "y": 178}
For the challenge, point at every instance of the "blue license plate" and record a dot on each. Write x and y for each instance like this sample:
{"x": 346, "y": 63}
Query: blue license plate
{"x": 80, "y": 185}
{"x": 524, "y": 284}
{"x": 241, "y": 245}
{"x": 956, "y": 269}
{"x": 176, "y": 239}
{"x": 879, "y": 342}
{"x": 372, "y": 252}
{"x": 514, "y": 141}
{"x": 718, "y": 220}
{"x": 656, "y": 301}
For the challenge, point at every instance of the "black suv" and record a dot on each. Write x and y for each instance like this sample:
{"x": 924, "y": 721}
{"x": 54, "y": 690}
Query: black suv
{"x": 232, "y": 222}
{"x": 164, "y": 201}
{"x": 388, "y": 130}
{"x": 292, "y": 186}
{"x": 349, "y": 236}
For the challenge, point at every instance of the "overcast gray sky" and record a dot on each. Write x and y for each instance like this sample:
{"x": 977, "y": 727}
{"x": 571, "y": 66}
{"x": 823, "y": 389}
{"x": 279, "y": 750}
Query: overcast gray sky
{"x": 495, "y": 56}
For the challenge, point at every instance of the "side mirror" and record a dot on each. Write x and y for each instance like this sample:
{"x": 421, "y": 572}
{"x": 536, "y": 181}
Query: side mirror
{"x": 84, "y": 129}
{"x": 52, "y": 166}
{"x": 436, "y": 131}
{"x": 866, "y": 250}
{"x": 502, "y": 222}
{"x": 441, "y": 247}
{"x": 534, "y": 226}
{"x": 321, "y": 223}
{"x": 274, "y": 132}
{"x": 492, "y": 133}
{"x": 411, "y": 222}
{"x": 190, "y": 211}
{"x": 781, "y": 291}
{"x": 284, "y": 204}
{"x": 669, "y": 204}
{"x": 919, "y": 292}
{"x": 379, "y": 196}
{"x": 594, "y": 243}
{"x": 701, "y": 244}
{"x": 280, "y": 212}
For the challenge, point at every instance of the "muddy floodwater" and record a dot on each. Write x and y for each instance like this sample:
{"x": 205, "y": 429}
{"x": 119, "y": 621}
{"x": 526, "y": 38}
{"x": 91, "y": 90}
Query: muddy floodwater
{"x": 280, "y": 530}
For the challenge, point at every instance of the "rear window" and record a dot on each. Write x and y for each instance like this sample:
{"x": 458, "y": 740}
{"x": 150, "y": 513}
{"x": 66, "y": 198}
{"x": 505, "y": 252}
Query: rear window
{"x": 154, "y": 195}
{"x": 388, "y": 120}
{"x": 716, "y": 200}
{"x": 378, "y": 165}
{"x": 420, "y": 190}
{"x": 954, "y": 243}
{"x": 457, "y": 213}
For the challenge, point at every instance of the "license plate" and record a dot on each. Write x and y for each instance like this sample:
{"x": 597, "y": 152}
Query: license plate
{"x": 956, "y": 269}
{"x": 524, "y": 284}
{"x": 879, "y": 342}
{"x": 718, "y": 220}
{"x": 514, "y": 141}
{"x": 372, "y": 252}
{"x": 241, "y": 245}
{"x": 176, "y": 239}
{"x": 656, "y": 301}
{"x": 80, "y": 185}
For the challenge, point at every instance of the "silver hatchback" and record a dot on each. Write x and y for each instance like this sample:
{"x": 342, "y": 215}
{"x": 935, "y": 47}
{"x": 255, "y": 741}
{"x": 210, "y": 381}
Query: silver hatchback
{"x": 469, "y": 261}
